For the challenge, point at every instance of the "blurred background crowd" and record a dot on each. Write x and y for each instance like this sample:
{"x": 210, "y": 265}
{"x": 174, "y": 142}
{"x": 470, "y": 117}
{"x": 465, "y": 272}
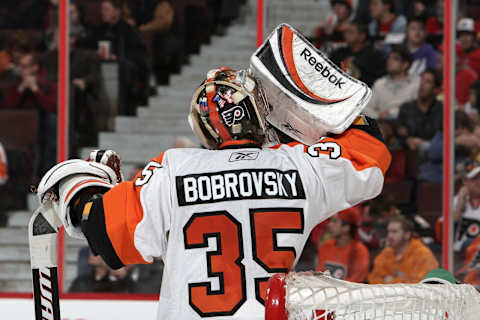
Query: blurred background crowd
{"x": 394, "y": 46}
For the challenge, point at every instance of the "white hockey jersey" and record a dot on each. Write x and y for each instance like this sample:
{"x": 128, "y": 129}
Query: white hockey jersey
{"x": 224, "y": 221}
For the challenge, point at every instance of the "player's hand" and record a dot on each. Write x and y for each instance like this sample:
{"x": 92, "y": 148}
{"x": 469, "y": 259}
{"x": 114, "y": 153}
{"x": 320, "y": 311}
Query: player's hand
{"x": 109, "y": 158}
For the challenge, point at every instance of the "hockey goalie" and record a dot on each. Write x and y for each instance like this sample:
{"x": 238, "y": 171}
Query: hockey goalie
{"x": 225, "y": 218}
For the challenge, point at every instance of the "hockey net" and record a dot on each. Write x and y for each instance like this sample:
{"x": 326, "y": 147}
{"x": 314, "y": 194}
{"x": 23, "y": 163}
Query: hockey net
{"x": 317, "y": 296}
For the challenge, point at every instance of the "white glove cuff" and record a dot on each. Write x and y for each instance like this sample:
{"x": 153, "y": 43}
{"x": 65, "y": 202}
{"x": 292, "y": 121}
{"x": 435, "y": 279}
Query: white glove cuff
{"x": 68, "y": 188}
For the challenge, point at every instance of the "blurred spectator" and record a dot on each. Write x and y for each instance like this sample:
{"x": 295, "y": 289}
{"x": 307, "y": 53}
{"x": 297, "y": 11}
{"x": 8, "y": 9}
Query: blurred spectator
{"x": 345, "y": 257}
{"x": 466, "y": 206}
{"x": 472, "y": 107}
{"x": 183, "y": 142}
{"x": 373, "y": 228}
{"x": 466, "y": 142}
{"x": 103, "y": 279}
{"x": 359, "y": 57}
{"x": 85, "y": 75}
{"x": 385, "y": 23}
{"x": 3, "y": 166}
{"x": 33, "y": 90}
{"x": 404, "y": 260}
{"x": 25, "y": 14}
{"x": 149, "y": 15}
{"x": 419, "y": 9}
{"x": 467, "y": 35}
{"x": 158, "y": 17}
{"x": 418, "y": 120}
{"x": 126, "y": 47}
{"x": 434, "y": 25}
{"x": 464, "y": 77}
{"x": 423, "y": 55}
{"x": 397, "y": 87}
{"x": 471, "y": 268}
{"x": 332, "y": 30}
{"x": 76, "y": 26}
{"x": 3, "y": 180}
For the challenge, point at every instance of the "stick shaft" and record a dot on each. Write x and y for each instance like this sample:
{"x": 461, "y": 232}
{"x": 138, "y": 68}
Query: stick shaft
{"x": 46, "y": 294}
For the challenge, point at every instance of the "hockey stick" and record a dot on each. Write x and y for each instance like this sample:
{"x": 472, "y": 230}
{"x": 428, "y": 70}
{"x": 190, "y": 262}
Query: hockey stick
{"x": 42, "y": 235}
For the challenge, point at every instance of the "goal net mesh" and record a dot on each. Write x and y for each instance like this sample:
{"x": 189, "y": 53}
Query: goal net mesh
{"x": 317, "y": 296}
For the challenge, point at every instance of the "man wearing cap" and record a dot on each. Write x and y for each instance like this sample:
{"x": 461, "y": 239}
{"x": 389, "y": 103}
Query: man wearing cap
{"x": 345, "y": 257}
{"x": 404, "y": 260}
{"x": 466, "y": 206}
{"x": 466, "y": 35}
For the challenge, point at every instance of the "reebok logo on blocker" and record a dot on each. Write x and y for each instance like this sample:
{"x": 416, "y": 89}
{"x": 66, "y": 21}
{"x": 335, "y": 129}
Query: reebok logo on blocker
{"x": 323, "y": 70}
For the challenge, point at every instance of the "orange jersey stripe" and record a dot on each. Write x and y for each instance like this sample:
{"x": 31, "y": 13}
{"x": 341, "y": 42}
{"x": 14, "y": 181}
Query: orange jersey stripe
{"x": 363, "y": 150}
{"x": 123, "y": 212}
{"x": 360, "y": 148}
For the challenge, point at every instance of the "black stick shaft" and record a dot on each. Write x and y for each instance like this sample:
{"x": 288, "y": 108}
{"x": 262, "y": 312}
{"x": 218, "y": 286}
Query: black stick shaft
{"x": 45, "y": 294}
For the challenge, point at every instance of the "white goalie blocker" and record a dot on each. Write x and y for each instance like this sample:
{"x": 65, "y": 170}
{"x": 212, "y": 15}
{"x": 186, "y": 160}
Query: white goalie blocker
{"x": 317, "y": 296}
{"x": 308, "y": 95}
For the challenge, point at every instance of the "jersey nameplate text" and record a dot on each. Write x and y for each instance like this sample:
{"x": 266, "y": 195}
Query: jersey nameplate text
{"x": 239, "y": 185}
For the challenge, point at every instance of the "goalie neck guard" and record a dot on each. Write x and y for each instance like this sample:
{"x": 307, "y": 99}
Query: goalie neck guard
{"x": 228, "y": 109}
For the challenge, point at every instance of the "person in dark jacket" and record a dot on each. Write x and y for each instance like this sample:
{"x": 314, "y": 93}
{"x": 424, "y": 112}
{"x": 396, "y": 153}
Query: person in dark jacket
{"x": 359, "y": 57}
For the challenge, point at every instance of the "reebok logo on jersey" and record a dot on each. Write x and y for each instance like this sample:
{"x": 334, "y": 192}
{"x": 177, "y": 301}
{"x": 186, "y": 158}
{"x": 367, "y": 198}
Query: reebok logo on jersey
{"x": 324, "y": 71}
{"x": 239, "y": 185}
{"x": 238, "y": 156}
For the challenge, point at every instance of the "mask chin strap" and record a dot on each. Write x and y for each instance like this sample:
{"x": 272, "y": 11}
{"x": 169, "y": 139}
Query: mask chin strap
{"x": 210, "y": 89}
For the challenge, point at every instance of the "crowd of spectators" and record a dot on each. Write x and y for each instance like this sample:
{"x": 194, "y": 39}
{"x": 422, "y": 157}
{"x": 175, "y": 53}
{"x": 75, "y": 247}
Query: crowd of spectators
{"x": 142, "y": 40}
{"x": 396, "y": 48}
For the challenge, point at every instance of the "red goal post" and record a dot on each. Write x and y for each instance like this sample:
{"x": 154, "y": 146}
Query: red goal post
{"x": 317, "y": 296}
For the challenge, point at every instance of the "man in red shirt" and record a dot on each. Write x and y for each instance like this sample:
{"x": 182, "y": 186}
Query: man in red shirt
{"x": 345, "y": 257}
{"x": 464, "y": 77}
{"x": 31, "y": 91}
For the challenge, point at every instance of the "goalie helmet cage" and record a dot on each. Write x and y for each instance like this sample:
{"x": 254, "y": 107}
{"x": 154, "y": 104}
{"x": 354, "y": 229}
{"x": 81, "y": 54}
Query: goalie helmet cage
{"x": 316, "y": 296}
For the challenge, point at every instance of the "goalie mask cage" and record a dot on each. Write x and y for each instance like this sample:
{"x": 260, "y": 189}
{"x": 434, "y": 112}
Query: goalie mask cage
{"x": 316, "y": 296}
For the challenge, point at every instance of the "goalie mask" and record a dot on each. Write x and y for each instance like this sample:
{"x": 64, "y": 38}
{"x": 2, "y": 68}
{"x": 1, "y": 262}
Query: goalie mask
{"x": 228, "y": 109}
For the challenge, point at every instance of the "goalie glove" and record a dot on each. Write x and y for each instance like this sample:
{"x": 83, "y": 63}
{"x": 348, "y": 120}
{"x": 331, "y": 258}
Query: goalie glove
{"x": 62, "y": 183}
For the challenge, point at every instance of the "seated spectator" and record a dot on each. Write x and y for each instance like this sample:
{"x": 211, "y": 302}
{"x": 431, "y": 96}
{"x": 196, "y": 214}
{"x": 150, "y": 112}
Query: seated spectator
{"x": 103, "y": 279}
{"x": 158, "y": 17}
{"x": 345, "y": 257}
{"x": 464, "y": 78}
{"x": 434, "y": 25}
{"x": 466, "y": 141}
{"x": 373, "y": 228}
{"x": 471, "y": 268}
{"x": 85, "y": 75}
{"x": 126, "y": 47}
{"x": 150, "y": 15}
{"x": 472, "y": 107}
{"x": 3, "y": 166}
{"x": 405, "y": 259}
{"x": 385, "y": 23}
{"x": 423, "y": 55}
{"x": 359, "y": 57}
{"x": 467, "y": 35}
{"x": 420, "y": 119}
{"x": 466, "y": 207}
{"x": 395, "y": 88}
{"x": 332, "y": 30}
{"x": 33, "y": 90}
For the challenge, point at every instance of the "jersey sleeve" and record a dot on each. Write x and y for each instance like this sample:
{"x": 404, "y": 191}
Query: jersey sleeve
{"x": 345, "y": 170}
{"x": 137, "y": 214}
